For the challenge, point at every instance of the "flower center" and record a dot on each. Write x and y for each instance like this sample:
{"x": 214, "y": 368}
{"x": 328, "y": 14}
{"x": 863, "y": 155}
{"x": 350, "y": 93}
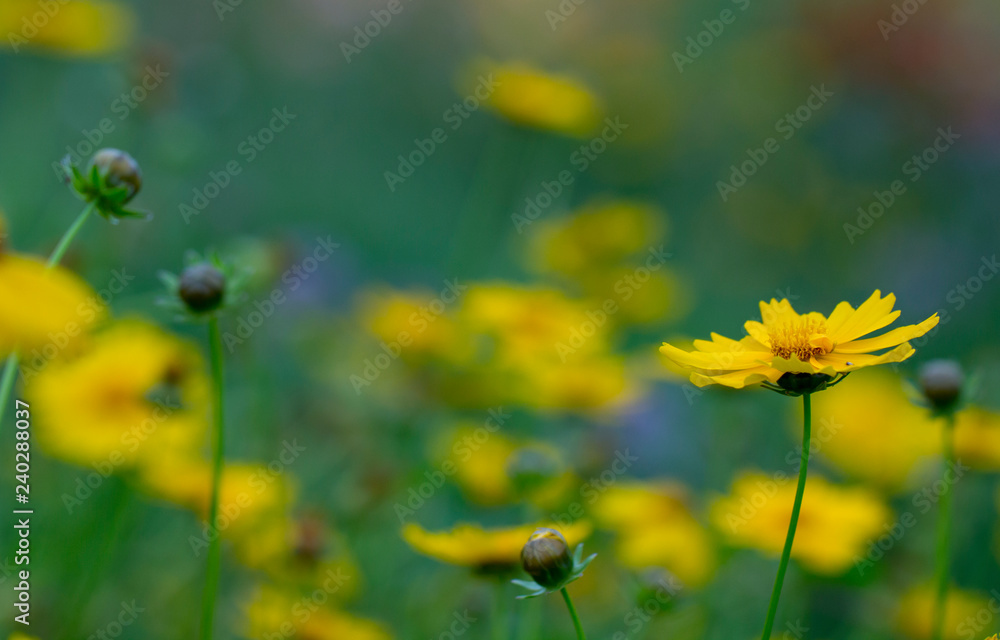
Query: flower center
{"x": 805, "y": 337}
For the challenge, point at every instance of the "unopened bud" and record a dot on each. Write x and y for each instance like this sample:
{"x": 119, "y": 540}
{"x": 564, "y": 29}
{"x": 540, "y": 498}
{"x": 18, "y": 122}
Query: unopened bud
{"x": 546, "y": 558}
{"x": 202, "y": 287}
{"x": 118, "y": 169}
{"x": 941, "y": 382}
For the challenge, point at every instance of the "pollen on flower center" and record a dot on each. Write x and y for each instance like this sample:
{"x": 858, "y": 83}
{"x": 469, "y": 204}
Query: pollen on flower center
{"x": 804, "y": 337}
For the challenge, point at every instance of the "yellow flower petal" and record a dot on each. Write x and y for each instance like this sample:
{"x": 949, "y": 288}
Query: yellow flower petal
{"x": 891, "y": 339}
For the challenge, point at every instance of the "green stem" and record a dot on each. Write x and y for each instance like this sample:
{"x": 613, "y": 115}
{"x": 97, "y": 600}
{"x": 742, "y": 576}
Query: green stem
{"x": 10, "y": 368}
{"x": 7, "y": 383}
{"x": 215, "y": 547}
{"x": 943, "y": 530}
{"x": 498, "y": 618}
{"x": 796, "y": 507}
{"x": 572, "y": 613}
{"x": 115, "y": 514}
{"x": 67, "y": 239}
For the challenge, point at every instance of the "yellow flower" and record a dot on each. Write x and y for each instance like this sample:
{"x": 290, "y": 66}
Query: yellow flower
{"x": 481, "y": 468}
{"x": 416, "y": 322}
{"x": 872, "y": 431}
{"x": 786, "y": 342}
{"x": 273, "y": 612}
{"x": 835, "y": 523}
{"x": 253, "y": 502}
{"x": 916, "y": 609}
{"x": 655, "y": 527}
{"x": 78, "y": 28}
{"x": 488, "y": 470}
{"x": 977, "y": 438}
{"x": 134, "y": 394}
{"x": 601, "y": 234}
{"x": 485, "y": 550}
{"x": 42, "y": 311}
{"x": 530, "y": 97}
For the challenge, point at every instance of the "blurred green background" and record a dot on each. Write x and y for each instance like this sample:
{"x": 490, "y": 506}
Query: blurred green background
{"x": 792, "y": 230}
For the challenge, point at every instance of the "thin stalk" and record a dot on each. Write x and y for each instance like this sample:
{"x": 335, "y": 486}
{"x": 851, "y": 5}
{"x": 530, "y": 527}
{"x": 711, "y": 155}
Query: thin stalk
{"x": 215, "y": 547}
{"x": 64, "y": 242}
{"x": 572, "y": 613}
{"x": 115, "y": 513}
{"x": 10, "y": 368}
{"x": 796, "y": 507}
{"x": 942, "y": 557}
{"x": 498, "y": 619}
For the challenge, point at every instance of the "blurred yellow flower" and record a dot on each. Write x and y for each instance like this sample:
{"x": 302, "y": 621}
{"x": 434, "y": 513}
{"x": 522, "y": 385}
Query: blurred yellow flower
{"x": 485, "y": 550}
{"x": 137, "y": 393}
{"x": 526, "y": 323}
{"x": 415, "y": 321}
{"x": 531, "y": 97}
{"x": 276, "y": 613}
{"x": 977, "y": 438}
{"x": 872, "y": 431}
{"x": 655, "y": 527}
{"x": 541, "y": 349}
{"x": 78, "y": 28}
{"x": 253, "y": 503}
{"x": 835, "y": 524}
{"x": 493, "y": 469}
{"x": 43, "y": 311}
{"x": 916, "y": 609}
{"x": 601, "y": 234}
{"x": 787, "y": 342}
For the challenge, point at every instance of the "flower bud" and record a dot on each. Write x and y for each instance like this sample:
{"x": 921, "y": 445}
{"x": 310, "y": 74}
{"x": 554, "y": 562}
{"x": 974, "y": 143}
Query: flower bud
{"x": 546, "y": 558}
{"x": 941, "y": 382}
{"x": 202, "y": 287}
{"x": 118, "y": 169}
